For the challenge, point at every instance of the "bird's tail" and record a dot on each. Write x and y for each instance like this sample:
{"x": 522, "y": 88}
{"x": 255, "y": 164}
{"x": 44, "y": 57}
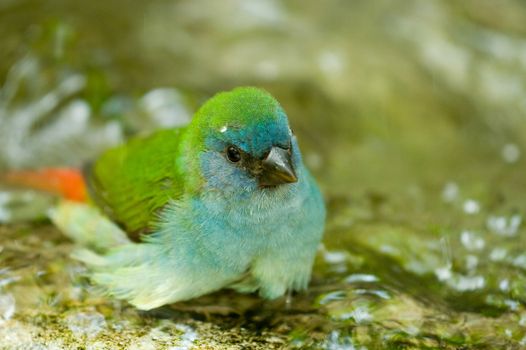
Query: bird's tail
{"x": 64, "y": 182}
{"x": 73, "y": 214}
{"x": 87, "y": 226}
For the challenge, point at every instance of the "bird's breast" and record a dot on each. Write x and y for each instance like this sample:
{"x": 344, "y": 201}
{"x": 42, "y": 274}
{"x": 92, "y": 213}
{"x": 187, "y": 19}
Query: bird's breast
{"x": 257, "y": 220}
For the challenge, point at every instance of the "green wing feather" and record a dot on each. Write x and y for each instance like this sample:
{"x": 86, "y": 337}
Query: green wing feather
{"x": 132, "y": 182}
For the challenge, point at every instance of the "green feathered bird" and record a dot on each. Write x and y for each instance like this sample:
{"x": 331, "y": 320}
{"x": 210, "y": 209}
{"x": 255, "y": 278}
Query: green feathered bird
{"x": 223, "y": 202}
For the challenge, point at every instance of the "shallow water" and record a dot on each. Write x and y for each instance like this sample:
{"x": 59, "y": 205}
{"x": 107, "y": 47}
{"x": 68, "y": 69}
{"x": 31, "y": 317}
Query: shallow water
{"x": 412, "y": 116}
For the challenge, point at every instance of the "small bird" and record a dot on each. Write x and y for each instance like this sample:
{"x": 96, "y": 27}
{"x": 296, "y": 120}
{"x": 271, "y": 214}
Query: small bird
{"x": 225, "y": 202}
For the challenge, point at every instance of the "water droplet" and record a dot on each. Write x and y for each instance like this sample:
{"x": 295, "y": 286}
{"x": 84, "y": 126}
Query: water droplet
{"x": 450, "y": 192}
{"x": 504, "y": 226}
{"x": 471, "y": 207}
{"x": 7, "y": 307}
{"x": 504, "y": 285}
{"x": 471, "y": 241}
{"x": 79, "y": 112}
{"x": 5, "y": 197}
{"x": 443, "y": 273}
{"x": 466, "y": 283}
{"x": 332, "y": 296}
{"x": 335, "y": 341}
{"x": 512, "y": 304}
{"x": 520, "y": 261}
{"x": 389, "y": 249}
{"x": 361, "y": 314}
{"x": 188, "y": 337}
{"x": 335, "y": 257}
{"x": 510, "y": 153}
{"x": 8, "y": 280}
{"x": 89, "y": 323}
{"x": 5, "y": 214}
{"x": 498, "y": 254}
{"x": 471, "y": 262}
{"x": 361, "y": 278}
{"x": 382, "y": 294}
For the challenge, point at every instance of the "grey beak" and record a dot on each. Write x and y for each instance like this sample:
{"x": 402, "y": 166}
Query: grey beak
{"x": 277, "y": 168}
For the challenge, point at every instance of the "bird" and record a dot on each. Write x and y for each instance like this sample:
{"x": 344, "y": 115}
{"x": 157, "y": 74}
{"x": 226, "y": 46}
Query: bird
{"x": 224, "y": 202}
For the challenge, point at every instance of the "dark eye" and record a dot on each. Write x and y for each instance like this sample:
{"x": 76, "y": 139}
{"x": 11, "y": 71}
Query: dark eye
{"x": 233, "y": 154}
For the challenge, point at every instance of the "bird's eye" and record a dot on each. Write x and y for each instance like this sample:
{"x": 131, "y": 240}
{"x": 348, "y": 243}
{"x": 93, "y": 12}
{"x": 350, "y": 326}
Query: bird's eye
{"x": 233, "y": 154}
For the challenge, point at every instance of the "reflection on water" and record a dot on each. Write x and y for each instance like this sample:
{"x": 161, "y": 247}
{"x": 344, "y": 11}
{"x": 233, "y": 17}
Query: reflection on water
{"x": 411, "y": 114}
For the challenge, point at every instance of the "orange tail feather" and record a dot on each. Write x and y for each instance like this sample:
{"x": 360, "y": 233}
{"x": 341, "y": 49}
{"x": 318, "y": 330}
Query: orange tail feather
{"x": 66, "y": 182}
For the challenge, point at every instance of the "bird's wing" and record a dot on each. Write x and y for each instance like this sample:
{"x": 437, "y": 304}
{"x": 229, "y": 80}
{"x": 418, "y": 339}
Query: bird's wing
{"x": 132, "y": 182}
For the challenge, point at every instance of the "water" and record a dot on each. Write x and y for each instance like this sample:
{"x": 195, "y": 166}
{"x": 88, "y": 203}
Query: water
{"x": 410, "y": 114}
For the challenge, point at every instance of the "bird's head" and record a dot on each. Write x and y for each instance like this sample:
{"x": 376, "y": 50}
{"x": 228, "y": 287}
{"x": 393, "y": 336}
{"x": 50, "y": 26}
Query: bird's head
{"x": 241, "y": 139}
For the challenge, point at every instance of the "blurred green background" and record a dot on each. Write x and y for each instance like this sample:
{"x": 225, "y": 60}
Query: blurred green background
{"x": 412, "y": 115}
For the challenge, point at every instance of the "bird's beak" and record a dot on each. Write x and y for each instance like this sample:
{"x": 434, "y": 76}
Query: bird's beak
{"x": 277, "y": 168}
